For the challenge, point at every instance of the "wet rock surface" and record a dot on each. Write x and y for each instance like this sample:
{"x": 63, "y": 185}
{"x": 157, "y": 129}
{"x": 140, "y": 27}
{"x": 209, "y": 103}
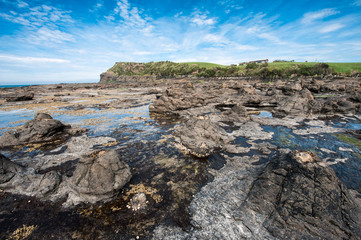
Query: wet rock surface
{"x": 8, "y": 169}
{"x": 98, "y": 176}
{"x": 295, "y": 196}
{"x": 19, "y": 96}
{"x": 200, "y": 137}
{"x": 43, "y": 128}
{"x": 225, "y": 159}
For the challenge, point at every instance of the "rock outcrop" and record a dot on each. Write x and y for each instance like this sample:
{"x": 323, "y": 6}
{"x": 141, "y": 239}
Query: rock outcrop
{"x": 200, "y": 137}
{"x": 98, "y": 177}
{"x": 296, "y": 196}
{"x": 8, "y": 169}
{"x": 20, "y": 96}
{"x": 43, "y": 128}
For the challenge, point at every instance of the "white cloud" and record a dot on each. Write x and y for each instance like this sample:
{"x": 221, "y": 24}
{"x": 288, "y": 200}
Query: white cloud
{"x": 129, "y": 16}
{"x": 246, "y": 47}
{"x": 318, "y": 15}
{"x": 29, "y": 60}
{"x": 97, "y": 6}
{"x": 201, "y": 19}
{"x": 22, "y": 4}
{"x": 38, "y": 16}
{"x": 331, "y": 28}
{"x": 273, "y": 38}
{"x": 213, "y": 38}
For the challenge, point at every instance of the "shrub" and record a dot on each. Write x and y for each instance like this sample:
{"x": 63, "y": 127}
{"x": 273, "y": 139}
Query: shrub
{"x": 252, "y": 65}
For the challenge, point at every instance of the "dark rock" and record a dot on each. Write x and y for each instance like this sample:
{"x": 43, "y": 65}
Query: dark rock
{"x": 98, "y": 176}
{"x": 43, "y": 128}
{"x": 299, "y": 197}
{"x": 20, "y": 96}
{"x": 338, "y": 106}
{"x": 293, "y": 105}
{"x": 247, "y": 90}
{"x": 296, "y": 196}
{"x": 200, "y": 137}
{"x": 291, "y": 88}
{"x": 8, "y": 169}
{"x": 176, "y": 99}
{"x": 108, "y": 77}
{"x": 43, "y": 185}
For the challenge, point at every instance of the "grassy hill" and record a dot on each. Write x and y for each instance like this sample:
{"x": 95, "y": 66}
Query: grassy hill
{"x": 272, "y": 70}
{"x": 338, "y": 67}
{"x": 204, "y": 64}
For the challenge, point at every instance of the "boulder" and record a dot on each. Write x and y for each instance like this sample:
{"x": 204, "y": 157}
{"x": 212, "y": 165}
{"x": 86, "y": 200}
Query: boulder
{"x": 20, "y": 96}
{"x": 98, "y": 177}
{"x": 291, "y": 88}
{"x": 43, "y": 128}
{"x": 200, "y": 137}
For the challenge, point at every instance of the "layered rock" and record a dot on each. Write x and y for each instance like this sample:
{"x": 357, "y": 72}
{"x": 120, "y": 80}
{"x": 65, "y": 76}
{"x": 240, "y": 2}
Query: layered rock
{"x": 98, "y": 177}
{"x": 43, "y": 128}
{"x": 19, "y": 96}
{"x": 295, "y": 196}
{"x": 200, "y": 137}
{"x": 8, "y": 169}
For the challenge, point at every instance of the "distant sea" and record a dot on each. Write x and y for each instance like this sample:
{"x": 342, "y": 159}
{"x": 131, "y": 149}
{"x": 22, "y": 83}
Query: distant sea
{"x": 11, "y": 86}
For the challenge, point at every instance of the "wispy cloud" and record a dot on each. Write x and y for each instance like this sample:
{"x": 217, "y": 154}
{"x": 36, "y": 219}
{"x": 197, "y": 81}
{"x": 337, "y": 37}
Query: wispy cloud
{"x": 318, "y": 15}
{"x": 331, "y": 28}
{"x": 202, "y": 19}
{"x": 38, "y": 16}
{"x": 128, "y": 15}
{"x": 42, "y": 23}
{"x": 29, "y": 60}
{"x": 98, "y": 5}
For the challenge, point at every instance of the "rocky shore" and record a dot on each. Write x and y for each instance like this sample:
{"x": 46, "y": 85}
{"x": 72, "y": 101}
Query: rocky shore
{"x": 217, "y": 159}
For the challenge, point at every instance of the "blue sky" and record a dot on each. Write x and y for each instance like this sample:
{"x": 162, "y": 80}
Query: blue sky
{"x": 74, "y": 41}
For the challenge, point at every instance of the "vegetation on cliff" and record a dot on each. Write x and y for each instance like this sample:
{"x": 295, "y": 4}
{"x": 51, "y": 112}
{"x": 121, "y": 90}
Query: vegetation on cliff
{"x": 165, "y": 69}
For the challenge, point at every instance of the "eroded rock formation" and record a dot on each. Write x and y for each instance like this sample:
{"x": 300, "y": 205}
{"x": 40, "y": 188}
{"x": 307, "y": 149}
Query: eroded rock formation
{"x": 43, "y": 128}
{"x": 296, "y": 196}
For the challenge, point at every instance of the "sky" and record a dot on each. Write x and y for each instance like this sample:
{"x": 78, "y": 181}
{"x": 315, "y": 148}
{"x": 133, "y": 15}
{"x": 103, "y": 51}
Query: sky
{"x": 60, "y": 41}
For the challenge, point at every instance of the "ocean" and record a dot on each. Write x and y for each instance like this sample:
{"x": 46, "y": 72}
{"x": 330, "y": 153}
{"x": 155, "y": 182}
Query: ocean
{"x": 11, "y": 86}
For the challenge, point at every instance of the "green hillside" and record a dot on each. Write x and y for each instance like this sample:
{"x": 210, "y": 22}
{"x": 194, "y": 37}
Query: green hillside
{"x": 338, "y": 67}
{"x": 274, "y": 70}
{"x": 205, "y": 64}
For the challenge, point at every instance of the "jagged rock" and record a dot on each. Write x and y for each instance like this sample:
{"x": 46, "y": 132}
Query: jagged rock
{"x": 299, "y": 197}
{"x": 291, "y": 88}
{"x": 17, "y": 179}
{"x": 338, "y": 106}
{"x": 43, "y": 184}
{"x": 293, "y": 105}
{"x": 20, "y": 96}
{"x": 200, "y": 137}
{"x": 8, "y": 169}
{"x": 247, "y": 90}
{"x": 43, "y": 128}
{"x": 108, "y": 77}
{"x": 98, "y": 177}
{"x": 295, "y": 196}
{"x": 176, "y": 99}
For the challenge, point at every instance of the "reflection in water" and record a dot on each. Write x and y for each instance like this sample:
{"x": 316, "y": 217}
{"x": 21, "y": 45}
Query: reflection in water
{"x": 165, "y": 177}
